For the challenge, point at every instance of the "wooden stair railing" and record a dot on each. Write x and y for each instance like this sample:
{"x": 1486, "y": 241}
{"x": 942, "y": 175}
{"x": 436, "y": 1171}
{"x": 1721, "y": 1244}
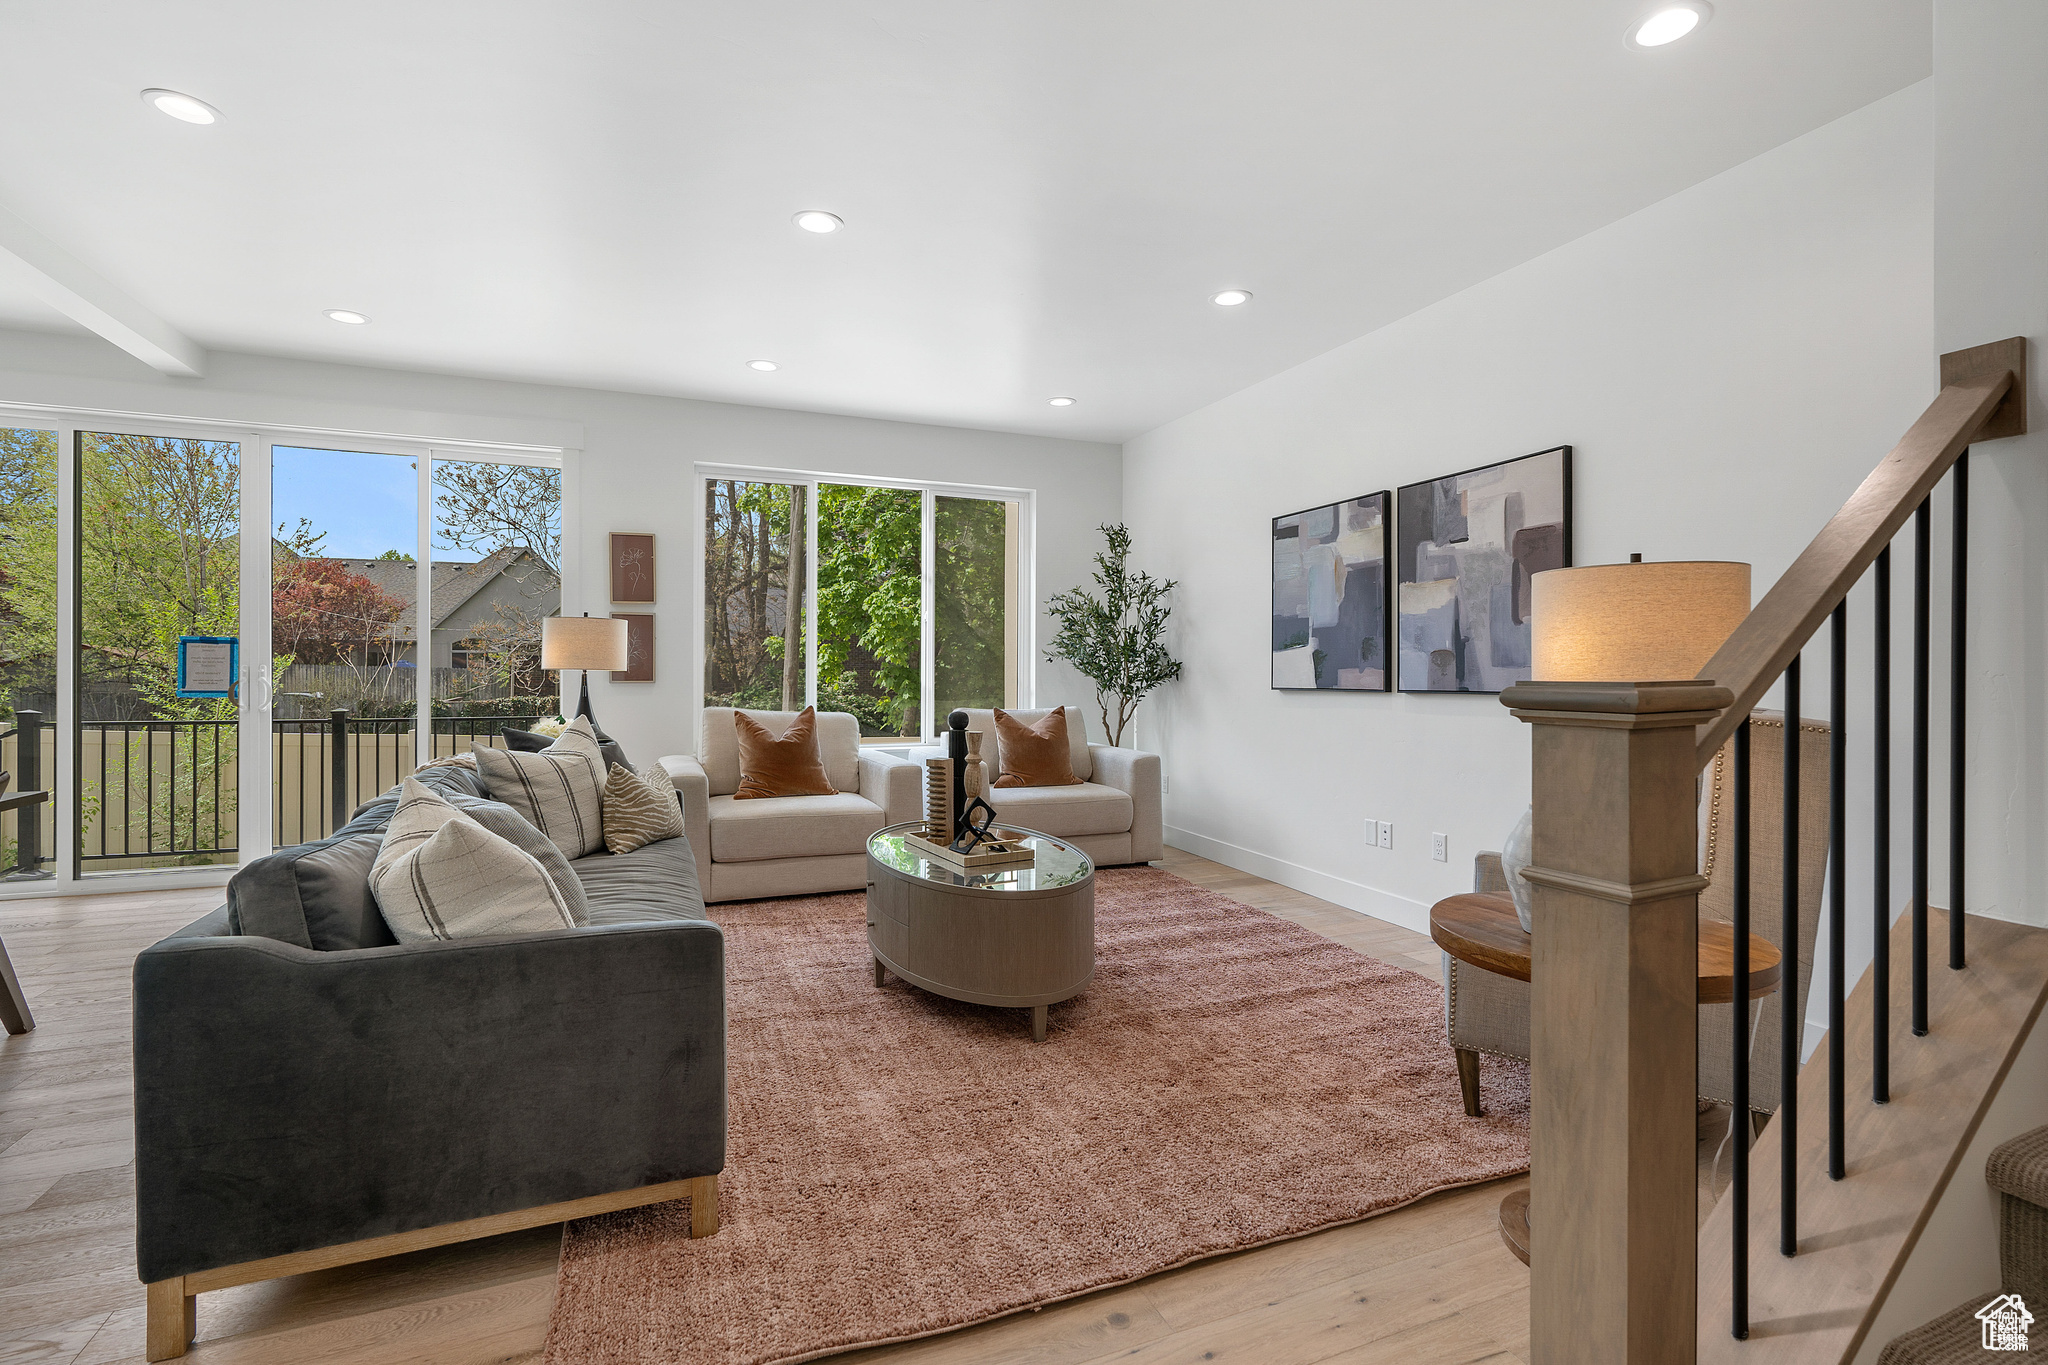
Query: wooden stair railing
{"x": 1983, "y": 392}
{"x": 1613, "y": 1022}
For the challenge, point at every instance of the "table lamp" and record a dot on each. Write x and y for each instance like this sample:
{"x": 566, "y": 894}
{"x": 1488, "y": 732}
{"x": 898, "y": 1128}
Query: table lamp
{"x": 1633, "y": 622}
{"x": 582, "y": 643}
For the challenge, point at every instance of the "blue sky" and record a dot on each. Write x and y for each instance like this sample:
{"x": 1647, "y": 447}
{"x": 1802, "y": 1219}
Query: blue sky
{"x": 366, "y": 504}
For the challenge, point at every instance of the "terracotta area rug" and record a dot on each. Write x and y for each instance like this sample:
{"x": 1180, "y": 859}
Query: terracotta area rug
{"x": 901, "y": 1164}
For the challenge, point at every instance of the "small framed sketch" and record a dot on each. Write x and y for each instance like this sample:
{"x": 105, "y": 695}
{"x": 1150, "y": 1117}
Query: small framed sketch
{"x": 1467, "y": 545}
{"x": 632, "y": 567}
{"x": 639, "y": 646}
{"x": 1330, "y": 603}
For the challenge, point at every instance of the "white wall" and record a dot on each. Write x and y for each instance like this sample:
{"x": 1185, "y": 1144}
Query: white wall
{"x": 1991, "y": 282}
{"x": 634, "y": 473}
{"x": 1728, "y": 364}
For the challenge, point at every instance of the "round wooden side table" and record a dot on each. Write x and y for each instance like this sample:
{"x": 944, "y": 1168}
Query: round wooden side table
{"x": 1483, "y": 931}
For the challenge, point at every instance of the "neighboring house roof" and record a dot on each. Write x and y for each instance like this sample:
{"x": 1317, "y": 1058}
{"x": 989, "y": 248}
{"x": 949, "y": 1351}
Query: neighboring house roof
{"x": 454, "y": 584}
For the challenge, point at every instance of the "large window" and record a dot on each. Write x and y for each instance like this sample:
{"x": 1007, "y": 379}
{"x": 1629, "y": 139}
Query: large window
{"x": 870, "y": 607}
{"x": 754, "y": 557}
{"x": 908, "y": 602}
{"x": 974, "y": 602}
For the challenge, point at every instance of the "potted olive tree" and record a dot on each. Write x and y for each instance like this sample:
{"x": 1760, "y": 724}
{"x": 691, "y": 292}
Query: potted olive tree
{"x": 1115, "y": 640}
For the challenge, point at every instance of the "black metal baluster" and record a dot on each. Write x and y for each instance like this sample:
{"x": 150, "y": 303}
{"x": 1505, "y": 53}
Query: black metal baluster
{"x": 1923, "y": 520}
{"x": 1958, "y": 694}
{"x": 1838, "y": 864}
{"x": 1738, "y": 1190}
{"x": 1791, "y": 1025}
{"x": 1881, "y": 837}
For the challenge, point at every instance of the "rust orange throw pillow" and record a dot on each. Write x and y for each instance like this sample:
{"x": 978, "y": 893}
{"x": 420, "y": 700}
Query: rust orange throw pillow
{"x": 1034, "y": 755}
{"x": 789, "y": 766}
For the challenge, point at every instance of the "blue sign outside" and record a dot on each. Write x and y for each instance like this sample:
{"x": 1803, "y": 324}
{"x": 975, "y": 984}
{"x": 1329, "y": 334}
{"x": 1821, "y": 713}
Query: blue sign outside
{"x": 208, "y": 665}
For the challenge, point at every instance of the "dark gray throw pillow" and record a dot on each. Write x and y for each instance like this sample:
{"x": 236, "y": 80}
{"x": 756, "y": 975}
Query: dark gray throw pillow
{"x": 527, "y": 742}
{"x": 315, "y": 895}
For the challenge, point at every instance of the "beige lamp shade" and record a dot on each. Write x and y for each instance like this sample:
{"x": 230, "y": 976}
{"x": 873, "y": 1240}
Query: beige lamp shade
{"x": 1633, "y": 622}
{"x": 583, "y": 642}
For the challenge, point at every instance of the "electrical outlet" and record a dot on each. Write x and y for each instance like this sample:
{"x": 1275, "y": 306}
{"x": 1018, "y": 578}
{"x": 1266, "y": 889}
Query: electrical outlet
{"x": 1386, "y": 834}
{"x": 1440, "y": 847}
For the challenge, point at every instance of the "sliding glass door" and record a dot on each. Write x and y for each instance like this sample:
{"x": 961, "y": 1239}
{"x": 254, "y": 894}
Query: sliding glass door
{"x": 211, "y": 643}
{"x": 158, "y": 723}
{"x": 344, "y": 582}
{"x": 908, "y": 602}
{"x": 496, "y": 530}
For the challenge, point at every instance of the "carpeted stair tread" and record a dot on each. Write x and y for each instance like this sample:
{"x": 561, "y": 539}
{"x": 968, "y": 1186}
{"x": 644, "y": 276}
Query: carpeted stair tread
{"x": 2020, "y": 1167}
{"x": 1954, "y": 1338}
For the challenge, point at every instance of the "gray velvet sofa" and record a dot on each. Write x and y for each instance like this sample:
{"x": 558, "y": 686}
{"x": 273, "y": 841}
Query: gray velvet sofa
{"x": 309, "y": 1092}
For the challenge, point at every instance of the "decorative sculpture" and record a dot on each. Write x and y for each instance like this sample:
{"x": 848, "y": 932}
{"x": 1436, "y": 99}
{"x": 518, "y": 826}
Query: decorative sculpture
{"x": 959, "y": 823}
{"x": 938, "y": 800}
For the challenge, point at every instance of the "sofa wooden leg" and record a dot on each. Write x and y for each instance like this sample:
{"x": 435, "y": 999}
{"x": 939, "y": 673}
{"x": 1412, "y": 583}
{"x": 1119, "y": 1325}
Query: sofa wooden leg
{"x": 1468, "y": 1080}
{"x": 704, "y": 1206}
{"x": 172, "y": 1318}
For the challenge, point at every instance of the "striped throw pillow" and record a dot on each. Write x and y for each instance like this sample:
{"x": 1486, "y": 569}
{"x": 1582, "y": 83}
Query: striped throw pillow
{"x": 559, "y": 791}
{"x": 441, "y": 875}
{"x": 640, "y": 808}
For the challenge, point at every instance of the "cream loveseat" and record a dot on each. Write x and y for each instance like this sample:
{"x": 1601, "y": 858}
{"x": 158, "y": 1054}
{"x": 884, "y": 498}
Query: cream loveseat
{"x": 789, "y": 845}
{"x": 1113, "y": 815}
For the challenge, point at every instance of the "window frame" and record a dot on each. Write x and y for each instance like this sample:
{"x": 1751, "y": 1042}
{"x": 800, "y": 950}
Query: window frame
{"x": 929, "y": 491}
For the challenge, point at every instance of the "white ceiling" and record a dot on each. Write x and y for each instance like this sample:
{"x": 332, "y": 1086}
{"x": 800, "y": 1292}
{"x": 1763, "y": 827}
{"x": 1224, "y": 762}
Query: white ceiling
{"x": 1039, "y": 196}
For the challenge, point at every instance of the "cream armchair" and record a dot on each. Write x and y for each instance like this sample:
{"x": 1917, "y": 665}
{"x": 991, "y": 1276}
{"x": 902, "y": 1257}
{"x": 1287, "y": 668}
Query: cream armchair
{"x": 1488, "y": 1013}
{"x": 1113, "y": 815}
{"x": 789, "y": 845}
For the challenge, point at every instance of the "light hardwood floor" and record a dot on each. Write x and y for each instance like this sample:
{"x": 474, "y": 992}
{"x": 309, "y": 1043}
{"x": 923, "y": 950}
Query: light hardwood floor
{"x": 1431, "y": 1282}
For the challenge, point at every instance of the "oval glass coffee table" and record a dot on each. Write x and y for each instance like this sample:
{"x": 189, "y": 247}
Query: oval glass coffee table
{"x": 1017, "y": 937}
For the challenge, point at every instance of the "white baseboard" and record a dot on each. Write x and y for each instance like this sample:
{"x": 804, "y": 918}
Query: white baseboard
{"x": 1367, "y": 900}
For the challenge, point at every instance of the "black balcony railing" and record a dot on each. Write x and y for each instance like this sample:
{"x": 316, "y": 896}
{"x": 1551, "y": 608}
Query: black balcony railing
{"x": 168, "y": 789}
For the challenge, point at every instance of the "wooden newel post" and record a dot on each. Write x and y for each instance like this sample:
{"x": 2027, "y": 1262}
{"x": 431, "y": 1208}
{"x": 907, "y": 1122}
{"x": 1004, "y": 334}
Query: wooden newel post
{"x": 1614, "y": 1018}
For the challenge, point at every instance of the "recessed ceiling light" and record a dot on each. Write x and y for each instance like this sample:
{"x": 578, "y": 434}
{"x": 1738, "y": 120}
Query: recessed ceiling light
{"x": 762, "y": 365}
{"x": 1669, "y": 23}
{"x": 180, "y": 106}
{"x": 817, "y": 220}
{"x": 349, "y": 316}
{"x": 1231, "y": 298}
{"x": 1063, "y": 402}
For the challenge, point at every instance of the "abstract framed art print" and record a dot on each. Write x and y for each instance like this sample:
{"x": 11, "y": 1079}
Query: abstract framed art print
{"x": 1467, "y": 545}
{"x": 1330, "y": 600}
